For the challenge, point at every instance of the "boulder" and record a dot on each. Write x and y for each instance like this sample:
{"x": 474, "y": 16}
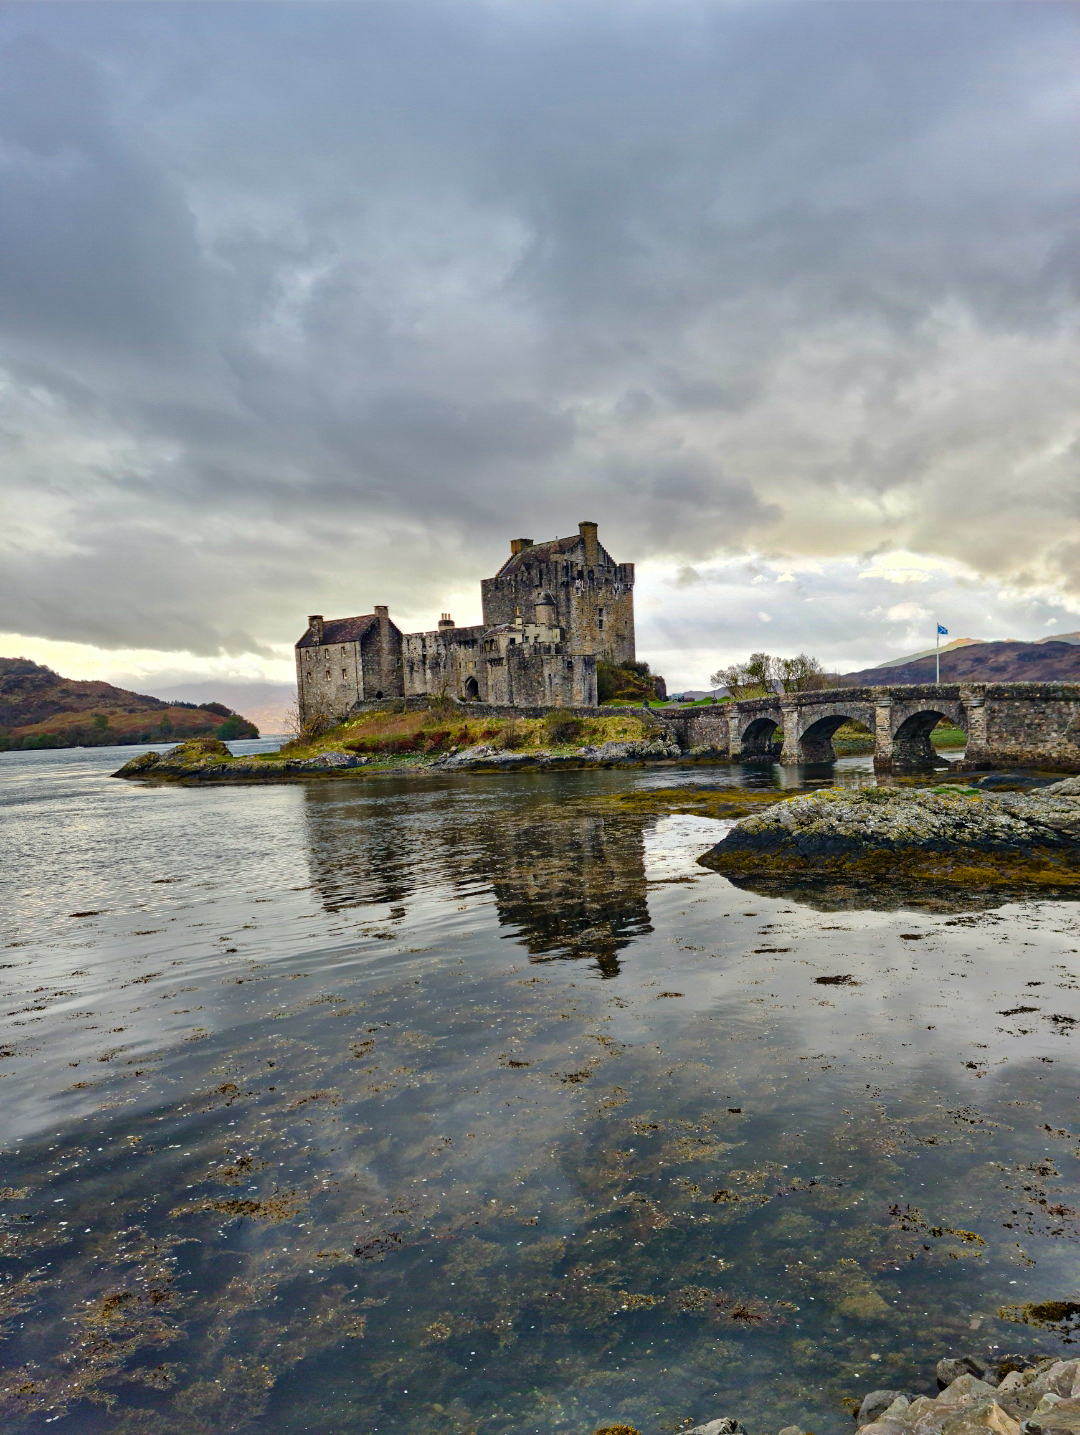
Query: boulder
{"x": 925, "y": 833}
{"x": 325, "y": 762}
{"x": 138, "y": 765}
{"x": 726, "y": 1425}
{"x": 197, "y": 748}
{"x": 876, "y": 1403}
{"x": 196, "y": 756}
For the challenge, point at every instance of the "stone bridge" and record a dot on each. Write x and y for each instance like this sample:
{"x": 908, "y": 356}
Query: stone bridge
{"x": 1007, "y": 725}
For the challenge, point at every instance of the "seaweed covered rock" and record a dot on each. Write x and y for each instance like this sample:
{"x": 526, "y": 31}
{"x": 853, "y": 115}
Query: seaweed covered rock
{"x": 195, "y": 756}
{"x": 947, "y": 833}
{"x": 139, "y": 766}
{"x": 196, "y": 749}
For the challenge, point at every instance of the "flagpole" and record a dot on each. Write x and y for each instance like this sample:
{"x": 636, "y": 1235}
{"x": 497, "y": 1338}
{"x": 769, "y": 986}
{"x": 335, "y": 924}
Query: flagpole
{"x": 937, "y": 653}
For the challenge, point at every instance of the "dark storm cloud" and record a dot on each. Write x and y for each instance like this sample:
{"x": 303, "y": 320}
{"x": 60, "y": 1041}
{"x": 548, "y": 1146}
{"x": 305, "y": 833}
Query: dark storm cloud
{"x": 309, "y": 305}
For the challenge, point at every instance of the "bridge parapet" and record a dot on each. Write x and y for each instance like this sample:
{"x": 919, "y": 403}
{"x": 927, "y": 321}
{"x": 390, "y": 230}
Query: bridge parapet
{"x": 1007, "y": 724}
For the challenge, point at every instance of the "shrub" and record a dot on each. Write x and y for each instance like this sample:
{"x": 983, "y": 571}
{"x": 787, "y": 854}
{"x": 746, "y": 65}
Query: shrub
{"x": 511, "y": 736}
{"x": 627, "y": 682}
{"x": 441, "y": 707}
{"x": 562, "y": 729}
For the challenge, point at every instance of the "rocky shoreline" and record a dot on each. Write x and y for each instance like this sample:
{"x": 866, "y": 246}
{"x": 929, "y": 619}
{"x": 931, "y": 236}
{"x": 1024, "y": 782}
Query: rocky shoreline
{"x": 207, "y": 760}
{"x": 1005, "y": 1395}
{"x": 955, "y": 834}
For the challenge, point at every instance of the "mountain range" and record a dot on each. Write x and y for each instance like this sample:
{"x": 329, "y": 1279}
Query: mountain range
{"x": 970, "y": 660}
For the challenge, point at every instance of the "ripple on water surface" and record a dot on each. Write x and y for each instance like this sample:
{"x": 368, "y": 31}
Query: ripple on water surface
{"x": 477, "y": 1104}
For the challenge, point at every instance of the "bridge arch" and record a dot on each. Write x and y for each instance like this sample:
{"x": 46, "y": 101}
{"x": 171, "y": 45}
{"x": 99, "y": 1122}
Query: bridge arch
{"x": 758, "y": 738}
{"x": 911, "y": 745}
{"x": 816, "y": 740}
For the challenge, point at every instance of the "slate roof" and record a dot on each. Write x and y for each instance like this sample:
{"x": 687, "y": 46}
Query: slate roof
{"x": 340, "y": 630}
{"x": 545, "y": 552}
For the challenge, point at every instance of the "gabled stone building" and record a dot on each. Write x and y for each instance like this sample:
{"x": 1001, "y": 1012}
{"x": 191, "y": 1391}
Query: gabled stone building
{"x": 549, "y": 613}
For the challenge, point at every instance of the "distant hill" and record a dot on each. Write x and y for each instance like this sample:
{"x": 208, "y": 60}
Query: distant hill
{"x": 267, "y": 704}
{"x": 967, "y": 642}
{"x": 1049, "y": 660}
{"x": 39, "y": 708}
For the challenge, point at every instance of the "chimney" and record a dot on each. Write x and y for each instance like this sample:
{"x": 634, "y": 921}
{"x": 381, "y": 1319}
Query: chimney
{"x": 445, "y": 621}
{"x": 592, "y": 546}
{"x": 315, "y": 626}
{"x": 382, "y": 612}
{"x": 519, "y": 545}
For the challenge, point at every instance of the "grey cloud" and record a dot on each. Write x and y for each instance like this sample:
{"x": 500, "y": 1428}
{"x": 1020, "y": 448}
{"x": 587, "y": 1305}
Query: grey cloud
{"x": 97, "y": 250}
{"x": 303, "y": 299}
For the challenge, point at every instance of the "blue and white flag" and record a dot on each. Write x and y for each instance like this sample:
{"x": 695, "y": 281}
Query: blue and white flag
{"x": 943, "y": 630}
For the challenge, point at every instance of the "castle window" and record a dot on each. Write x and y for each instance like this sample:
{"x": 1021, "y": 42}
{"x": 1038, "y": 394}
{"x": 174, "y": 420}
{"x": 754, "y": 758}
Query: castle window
{"x": 600, "y": 625}
{"x": 569, "y": 665}
{"x": 344, "y": 675}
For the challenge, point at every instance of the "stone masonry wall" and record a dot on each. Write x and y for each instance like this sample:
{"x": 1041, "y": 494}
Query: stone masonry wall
{"x": 594, "y": 596}
{"x": 329, "y": 678}
{"x": 444, "y": 661}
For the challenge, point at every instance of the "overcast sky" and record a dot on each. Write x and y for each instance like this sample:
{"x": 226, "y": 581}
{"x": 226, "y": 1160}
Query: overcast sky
{"x": 306, "y": 308}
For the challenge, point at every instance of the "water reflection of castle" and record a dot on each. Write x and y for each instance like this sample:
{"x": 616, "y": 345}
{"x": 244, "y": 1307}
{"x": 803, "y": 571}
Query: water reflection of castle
{"x": 570, "y": 882}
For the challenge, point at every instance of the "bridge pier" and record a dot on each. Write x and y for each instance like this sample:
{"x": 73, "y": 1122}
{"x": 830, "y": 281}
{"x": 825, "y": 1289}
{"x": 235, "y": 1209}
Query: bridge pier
{"x": 791, "y": 752}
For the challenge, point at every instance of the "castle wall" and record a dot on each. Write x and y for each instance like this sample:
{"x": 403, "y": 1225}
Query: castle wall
{"x": 528, "y": 676}
{"x": 329, "y": 679}
{"x": 444, "y": 661}
{"x": 600, "y": 613}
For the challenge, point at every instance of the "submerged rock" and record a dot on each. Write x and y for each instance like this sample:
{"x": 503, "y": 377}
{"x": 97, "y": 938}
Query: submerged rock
{"x": 946, "y": 834}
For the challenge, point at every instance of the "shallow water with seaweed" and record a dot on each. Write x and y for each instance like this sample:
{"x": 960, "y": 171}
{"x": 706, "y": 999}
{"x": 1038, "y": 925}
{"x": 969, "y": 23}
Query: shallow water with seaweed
{"x": 476, "y": 1104}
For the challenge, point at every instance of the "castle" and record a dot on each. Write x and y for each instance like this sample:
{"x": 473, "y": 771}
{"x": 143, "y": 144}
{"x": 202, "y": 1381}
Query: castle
{"x": 552, "y": 610}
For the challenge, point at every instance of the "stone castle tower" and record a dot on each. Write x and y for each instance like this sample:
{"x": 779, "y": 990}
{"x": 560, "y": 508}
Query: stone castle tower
{"x": 550, "y": 613}
{"x": 594, "y": 595}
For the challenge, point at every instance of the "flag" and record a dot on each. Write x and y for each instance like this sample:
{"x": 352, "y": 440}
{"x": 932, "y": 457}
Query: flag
{"x": 943, "y": 630}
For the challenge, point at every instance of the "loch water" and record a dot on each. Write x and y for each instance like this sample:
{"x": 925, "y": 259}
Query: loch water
{"x": 475, "y": 1104}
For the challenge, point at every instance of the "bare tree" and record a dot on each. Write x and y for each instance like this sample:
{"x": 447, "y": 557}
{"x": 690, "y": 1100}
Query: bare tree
{"x": 752, "y": 679}
{"x": 756, "y": 678}
{"x": 317, "y": 720}
{"x": 802, "y": 674}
